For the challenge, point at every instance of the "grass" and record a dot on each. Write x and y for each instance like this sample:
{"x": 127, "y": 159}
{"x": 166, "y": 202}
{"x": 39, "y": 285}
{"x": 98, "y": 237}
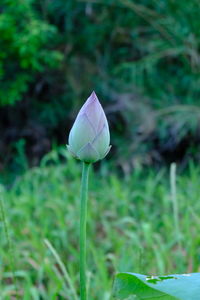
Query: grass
{"x": 132, "y": 226}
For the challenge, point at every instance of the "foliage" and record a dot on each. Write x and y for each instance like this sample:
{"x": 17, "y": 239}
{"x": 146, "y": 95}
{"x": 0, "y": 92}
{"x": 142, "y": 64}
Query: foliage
{"x": 130, "y": 227}
{"x": 141, "y": 59}
{"x": 26, "y": 48}
{"x": 171, "y": 287}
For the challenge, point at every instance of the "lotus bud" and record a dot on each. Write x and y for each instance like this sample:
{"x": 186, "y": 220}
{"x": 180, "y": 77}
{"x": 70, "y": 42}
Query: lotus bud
{"x": 89, "y": 138}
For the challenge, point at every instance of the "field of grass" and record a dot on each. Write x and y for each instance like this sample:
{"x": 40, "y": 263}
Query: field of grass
{"x": 147, "y": 222}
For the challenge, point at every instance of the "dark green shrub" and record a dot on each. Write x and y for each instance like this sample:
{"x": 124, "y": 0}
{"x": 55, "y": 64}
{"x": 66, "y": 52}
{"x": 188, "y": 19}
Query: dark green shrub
{"x": 25, "y": 48}
{"x": 142, "y": 59}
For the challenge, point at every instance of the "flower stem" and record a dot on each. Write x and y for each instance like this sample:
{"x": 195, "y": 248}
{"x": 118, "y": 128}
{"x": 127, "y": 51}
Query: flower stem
{"x": 83, "y": 220}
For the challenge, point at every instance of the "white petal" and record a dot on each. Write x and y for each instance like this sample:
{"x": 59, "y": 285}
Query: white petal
{"x": 72, "y": 153}
{"x": 88, "y": 154}
{"x": 107, "y": 152}
{"x": 94, "y": 111}
{"x": 102, "y": 141}
{"x": 81, "y": 133}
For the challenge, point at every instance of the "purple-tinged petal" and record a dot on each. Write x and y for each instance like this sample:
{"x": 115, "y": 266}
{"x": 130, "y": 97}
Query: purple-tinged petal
{"x": 81, "y": 133}
{"x": 89, "y": 101}
{"x": 88, "y": 154}
{"x": 102, "y": 122}
{"x": 89, "y": 137}
{"x": 94, "y": 111}
{"x": 107, "y": 151}
{"x": 72, "y": 153}
{"x": 102, "y": 141}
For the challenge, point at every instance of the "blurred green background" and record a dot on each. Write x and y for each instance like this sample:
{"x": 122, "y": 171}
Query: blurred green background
{"x": 142, "y": 58}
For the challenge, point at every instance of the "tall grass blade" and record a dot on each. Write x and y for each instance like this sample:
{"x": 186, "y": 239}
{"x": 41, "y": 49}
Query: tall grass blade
{"x": 62, "y": 267}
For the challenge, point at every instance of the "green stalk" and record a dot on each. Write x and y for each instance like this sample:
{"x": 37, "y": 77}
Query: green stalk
{"x": 83, "y": 221}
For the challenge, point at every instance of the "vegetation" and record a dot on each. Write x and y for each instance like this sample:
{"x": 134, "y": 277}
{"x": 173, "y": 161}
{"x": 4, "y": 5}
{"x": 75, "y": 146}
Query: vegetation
{"x": 141, "y": 59}
{"x": 131, "y": 227}
{"x": 26, "y": 48}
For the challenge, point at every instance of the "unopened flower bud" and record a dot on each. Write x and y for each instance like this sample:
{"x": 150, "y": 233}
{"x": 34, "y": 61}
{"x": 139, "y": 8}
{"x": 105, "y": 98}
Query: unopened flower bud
{"x": 89, "y": 138}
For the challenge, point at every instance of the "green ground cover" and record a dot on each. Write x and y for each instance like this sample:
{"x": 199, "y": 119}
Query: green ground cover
{"x": 142, "y": 59}
{"x": 132, "y": 226}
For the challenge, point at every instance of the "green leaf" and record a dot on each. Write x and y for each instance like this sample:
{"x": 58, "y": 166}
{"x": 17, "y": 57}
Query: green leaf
{"x": 171, "y": 287}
